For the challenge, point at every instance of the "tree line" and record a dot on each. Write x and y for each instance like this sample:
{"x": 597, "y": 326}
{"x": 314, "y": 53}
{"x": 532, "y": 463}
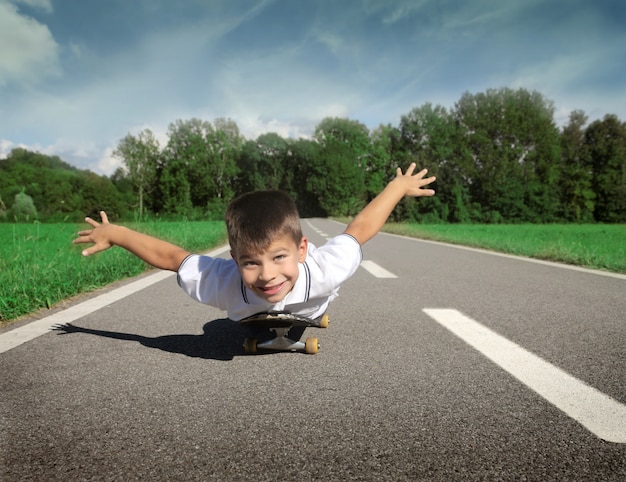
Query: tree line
{"x": 499, "y": 157}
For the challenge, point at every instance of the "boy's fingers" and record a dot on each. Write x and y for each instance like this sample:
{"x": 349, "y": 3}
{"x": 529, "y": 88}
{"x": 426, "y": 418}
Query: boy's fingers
{"x": 424, "y": 192}
{"x": 426, "y": 181}
{"x": 411, "y": 168}
{"x": 93, "y": 250}
{"x": 92, "y": 222}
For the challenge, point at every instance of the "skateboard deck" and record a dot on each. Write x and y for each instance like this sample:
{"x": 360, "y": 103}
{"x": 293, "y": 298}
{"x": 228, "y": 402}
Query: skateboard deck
{"x": 280, "y": 323}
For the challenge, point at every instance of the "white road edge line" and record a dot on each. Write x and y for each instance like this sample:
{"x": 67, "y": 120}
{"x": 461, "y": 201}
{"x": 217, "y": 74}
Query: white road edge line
{"x": 376, "y": 270}
{"x": 597, "y": 412}
{"x": 21, "y": 335}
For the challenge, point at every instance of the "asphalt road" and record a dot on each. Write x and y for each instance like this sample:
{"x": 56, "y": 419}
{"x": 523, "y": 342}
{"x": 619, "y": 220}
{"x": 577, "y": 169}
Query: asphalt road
{"x": 156, "y": 387}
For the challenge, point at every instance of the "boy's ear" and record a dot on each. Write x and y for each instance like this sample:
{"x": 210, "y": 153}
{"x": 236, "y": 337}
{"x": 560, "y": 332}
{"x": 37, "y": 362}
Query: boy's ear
{"x": 303, "y": 249}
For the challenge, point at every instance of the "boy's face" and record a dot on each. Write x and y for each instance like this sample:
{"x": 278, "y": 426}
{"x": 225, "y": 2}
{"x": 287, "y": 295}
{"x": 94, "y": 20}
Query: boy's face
{"x": 273, "y": 273}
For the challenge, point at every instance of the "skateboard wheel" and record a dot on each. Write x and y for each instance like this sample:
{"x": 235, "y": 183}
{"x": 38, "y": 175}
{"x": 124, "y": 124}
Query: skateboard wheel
{"x": 324, "y": 321}
{"x": 249, "y": 345}
{"x": 311, "y": 346}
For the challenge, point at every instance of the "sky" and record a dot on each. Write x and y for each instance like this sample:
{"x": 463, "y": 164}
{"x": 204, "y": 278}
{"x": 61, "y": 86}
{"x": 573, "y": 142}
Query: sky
{"x": 76, "y": 76}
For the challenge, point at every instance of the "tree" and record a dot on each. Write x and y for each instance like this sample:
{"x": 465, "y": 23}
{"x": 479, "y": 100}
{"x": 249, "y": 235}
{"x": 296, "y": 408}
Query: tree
{"x": 337, "y": 181}
{"x": 606, "y": 144}
{"x": 199, "y": 165}
{"x": 428, "y": 136}
{"x": 140, "y": 156}
{"x": 272, "y": 159}
{"x": 225, "y": 144}
{"x": 351, "y": 134}
{"x": 337, "y": 175}
{"x": 186, "y": 161}
{"x": 513, "y": 146}
{"x": 249, "y": 178}
{"x": 97, "y": 193}
{"x": 23, "y": 208}
{"x": 381, "y": 161}
{"x": 576, "y": 192}
{"x": 302, "y": 161}
{"x": 58, "y": 190}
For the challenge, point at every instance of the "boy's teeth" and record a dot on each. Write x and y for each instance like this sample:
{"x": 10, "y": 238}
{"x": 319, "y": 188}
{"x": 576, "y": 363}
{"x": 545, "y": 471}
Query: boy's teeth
{"x": 272, "y": 289}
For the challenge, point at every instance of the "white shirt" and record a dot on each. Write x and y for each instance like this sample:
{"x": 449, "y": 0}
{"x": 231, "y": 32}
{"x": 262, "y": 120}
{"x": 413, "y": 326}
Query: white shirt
{"x": 217, "y": 282}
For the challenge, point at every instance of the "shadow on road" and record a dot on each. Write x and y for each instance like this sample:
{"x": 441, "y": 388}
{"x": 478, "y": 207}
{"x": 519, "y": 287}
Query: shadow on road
{"x": 222, "y": 339}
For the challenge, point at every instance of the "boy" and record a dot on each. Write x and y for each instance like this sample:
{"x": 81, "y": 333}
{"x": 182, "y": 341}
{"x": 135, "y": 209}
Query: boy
{"x": 273, "y": 266}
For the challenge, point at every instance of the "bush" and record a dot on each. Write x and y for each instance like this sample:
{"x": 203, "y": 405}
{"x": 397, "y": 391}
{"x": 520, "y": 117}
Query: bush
{"x": 23, "y": 208}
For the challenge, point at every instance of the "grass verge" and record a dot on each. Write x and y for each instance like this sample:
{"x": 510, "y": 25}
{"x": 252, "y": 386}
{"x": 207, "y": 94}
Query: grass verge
{"x": 39, "y": 265}
{"x": 597, "y": 246}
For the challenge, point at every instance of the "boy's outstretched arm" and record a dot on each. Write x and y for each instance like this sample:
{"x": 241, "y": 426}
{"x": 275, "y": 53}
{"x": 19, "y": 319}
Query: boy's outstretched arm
{"x": 373, "y": 216}
{"x": 156, "y": 252}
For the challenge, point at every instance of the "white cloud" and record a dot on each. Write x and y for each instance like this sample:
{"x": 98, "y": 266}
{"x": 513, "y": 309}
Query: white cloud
{"x": 252, "y": 127}
{"x": 45, "y": 5}
{"x": 569, "y": 81}
{"x": 404, "y": 9}
{"x": 7, "y": 146}
{"x": 85, "y": 156}
{"x": 29, "y": 53}
{"x": 107, "y": 163}
{"x": 331, "y": 40}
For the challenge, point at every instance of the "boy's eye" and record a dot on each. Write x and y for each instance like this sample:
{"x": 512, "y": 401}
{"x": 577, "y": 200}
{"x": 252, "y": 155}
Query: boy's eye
{"x": 280, "y": 257}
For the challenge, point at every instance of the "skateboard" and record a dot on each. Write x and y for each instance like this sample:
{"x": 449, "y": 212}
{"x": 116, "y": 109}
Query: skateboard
{"x": 280, "y": 323}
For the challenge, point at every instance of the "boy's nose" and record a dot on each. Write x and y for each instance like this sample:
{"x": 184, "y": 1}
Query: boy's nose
{"x": 267, "y": 273}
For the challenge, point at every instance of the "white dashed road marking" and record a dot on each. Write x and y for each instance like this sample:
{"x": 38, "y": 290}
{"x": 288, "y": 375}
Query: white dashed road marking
{"x": 376, "y": 270}
{"x": 597, "y": 412}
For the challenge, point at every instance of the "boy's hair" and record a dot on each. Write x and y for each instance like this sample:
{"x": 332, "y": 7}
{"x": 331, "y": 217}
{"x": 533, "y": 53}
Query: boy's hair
{"x": 254, "y": 220}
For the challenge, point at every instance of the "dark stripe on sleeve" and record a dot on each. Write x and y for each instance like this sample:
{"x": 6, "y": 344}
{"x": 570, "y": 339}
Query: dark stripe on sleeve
{"x": 179, "y": 268}
{"x": 244, "y": 294}
{"x": 307, "y": 272}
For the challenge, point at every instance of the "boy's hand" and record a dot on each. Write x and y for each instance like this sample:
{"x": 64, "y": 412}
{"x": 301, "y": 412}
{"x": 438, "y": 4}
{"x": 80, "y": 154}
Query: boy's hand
{"x": 98, "y": 235}
{"x": 156, "y": 252}
{"x": 413, "y": 184}
{"x": 369, "y": 221}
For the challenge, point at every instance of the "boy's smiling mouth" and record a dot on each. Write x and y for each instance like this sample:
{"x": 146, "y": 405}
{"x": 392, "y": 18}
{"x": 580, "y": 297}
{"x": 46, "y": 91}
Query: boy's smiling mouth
{"x": 271, "y": 290}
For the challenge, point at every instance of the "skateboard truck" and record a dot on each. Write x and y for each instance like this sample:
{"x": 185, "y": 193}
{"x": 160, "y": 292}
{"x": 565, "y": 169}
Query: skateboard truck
{"x": 280, "y": 323}
{"x": 281, "y": 342}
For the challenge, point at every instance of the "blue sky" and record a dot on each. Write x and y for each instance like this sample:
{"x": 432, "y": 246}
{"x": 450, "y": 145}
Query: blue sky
{"x": 78, "y": 75}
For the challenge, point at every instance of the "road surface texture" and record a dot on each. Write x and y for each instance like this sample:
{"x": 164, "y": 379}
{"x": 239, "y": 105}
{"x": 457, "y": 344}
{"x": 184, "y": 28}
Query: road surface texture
{"x": 440, "y": 363}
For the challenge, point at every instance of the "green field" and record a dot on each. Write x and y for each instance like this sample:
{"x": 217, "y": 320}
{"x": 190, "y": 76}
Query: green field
{"x": 39, "y": 265}
{"x": 598, "y": 246}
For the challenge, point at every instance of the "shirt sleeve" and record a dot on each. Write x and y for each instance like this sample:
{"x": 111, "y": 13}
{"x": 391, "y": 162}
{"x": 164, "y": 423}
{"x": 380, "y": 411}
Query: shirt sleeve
{"x": 212, "y": 281}
{"x": 333, "y": 263}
